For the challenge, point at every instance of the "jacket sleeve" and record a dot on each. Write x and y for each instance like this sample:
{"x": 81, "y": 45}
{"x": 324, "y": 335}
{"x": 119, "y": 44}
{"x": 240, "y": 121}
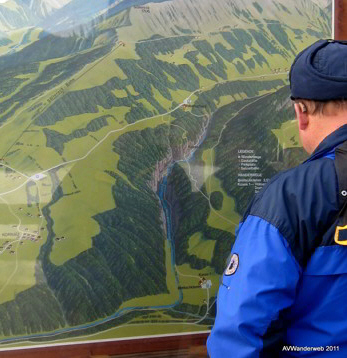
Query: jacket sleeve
{"x": 249, "y": 300}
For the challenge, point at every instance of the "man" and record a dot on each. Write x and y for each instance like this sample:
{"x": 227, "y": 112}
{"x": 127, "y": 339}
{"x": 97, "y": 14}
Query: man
{"x": 284, "y": 291}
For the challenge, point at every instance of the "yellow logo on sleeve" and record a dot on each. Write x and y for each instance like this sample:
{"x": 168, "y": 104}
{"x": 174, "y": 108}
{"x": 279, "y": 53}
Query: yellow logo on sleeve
{"x": 341, "y": 235}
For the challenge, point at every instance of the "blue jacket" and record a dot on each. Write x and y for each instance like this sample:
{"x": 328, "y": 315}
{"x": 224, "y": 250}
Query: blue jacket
{"x": 285, "y": 292}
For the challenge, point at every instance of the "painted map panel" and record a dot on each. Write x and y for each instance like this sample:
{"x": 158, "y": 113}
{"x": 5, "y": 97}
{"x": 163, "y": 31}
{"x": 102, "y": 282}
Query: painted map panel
{"x": 133, "y": 135}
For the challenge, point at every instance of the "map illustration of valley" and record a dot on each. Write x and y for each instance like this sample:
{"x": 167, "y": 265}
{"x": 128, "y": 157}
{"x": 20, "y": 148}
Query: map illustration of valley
{"x": 133, "y": 135}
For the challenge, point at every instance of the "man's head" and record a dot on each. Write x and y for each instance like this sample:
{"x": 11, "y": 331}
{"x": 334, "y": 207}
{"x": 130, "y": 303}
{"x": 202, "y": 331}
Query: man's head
{"x": 318, "y": 82}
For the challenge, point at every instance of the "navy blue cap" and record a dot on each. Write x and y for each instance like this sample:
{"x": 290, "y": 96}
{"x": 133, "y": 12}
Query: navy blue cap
{"x": 320, "y": 72}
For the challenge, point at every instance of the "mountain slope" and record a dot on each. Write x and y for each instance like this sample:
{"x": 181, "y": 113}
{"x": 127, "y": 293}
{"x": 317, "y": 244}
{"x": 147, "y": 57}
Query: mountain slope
{"x": 44, "y": 8}
{"x": 76, "y": 12}
{"x": 202, "y": 16}
{"x": 15, "y": 14}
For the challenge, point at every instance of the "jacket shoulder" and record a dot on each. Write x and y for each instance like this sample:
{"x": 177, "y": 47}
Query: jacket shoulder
{"x": 301, "y": 203}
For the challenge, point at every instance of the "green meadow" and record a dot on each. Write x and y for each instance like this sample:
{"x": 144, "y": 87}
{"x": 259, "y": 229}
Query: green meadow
{"x": 288, "y": 135}
{"x": 200, "y": 247}
{"x": 226, "y": 218}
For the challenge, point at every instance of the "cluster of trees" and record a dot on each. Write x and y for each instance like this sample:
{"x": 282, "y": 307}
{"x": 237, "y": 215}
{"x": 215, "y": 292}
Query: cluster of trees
{"x": 33, "y": 310}
{"x": 189, "y": 211}
{"x": 325, "y": 21}
{"x": 183, "y": 31}
{"x": 5, "y": 41}
{"x": 217, "y": 65}
{"x": 56, "y": 139}
{"x": 192, "y": 56}
{"x": 10, "y": 85}
{"x": 167, "y": 46}
{"x": 216, "y": 200}
{"x": 281, "y": 36}
{"x": 250, "y": 88}
{"x": 140, "y": 151}
{"x": 314, "y": 33}
{"x": 239, "y": 40}
{"x": 263, "y": 41}
{"x": 84, "y": 101}
{"x": 10, "y": 81}
{"x": 258, "y": 7}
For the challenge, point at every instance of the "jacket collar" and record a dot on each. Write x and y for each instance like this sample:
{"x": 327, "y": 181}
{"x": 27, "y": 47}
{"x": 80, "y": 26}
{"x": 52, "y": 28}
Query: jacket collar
{"x": 329, "y": 143}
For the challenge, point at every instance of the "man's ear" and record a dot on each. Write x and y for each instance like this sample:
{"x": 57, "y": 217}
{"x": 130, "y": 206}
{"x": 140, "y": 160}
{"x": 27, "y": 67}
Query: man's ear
{"x": 301, "y": 115}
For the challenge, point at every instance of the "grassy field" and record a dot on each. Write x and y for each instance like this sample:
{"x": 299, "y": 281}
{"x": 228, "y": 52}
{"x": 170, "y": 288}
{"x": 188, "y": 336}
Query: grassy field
{"x": 288, "y": 135}
{"x": 120, "y": 93}
{"x": 191, "y": 277}
{"x": 72, "y": 123}
{"x": 160, "y": 99}
{"x": 147, "y": 105}
{"x": 180, "y": 96}
{"x": 33, "y": 159}
{"x": 200, "y": 247}
{"x": 227, "y": 218}
{"x": 131, "y": 90}
{"x": 224, "y": 100}
{"x": 106, "y": 69}
{"x": 10, "y": 181}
